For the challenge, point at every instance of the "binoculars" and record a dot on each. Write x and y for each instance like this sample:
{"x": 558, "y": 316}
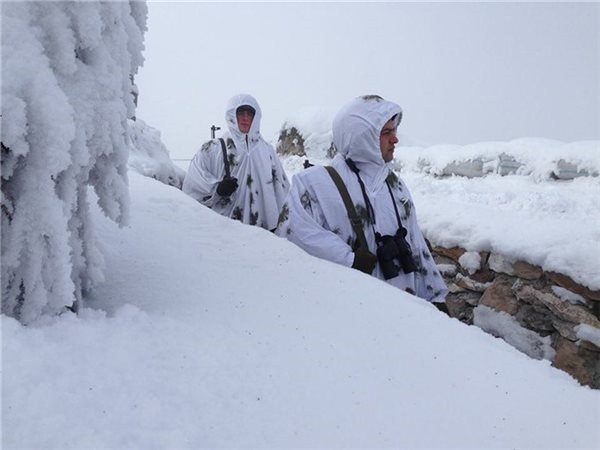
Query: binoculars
{"x": 394, "y": 254}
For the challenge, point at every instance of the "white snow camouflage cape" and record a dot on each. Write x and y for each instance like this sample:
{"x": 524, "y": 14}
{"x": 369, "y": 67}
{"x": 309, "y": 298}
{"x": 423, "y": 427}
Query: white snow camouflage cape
{"x": 262, "y": 182}
{"x": 315, "y": 218}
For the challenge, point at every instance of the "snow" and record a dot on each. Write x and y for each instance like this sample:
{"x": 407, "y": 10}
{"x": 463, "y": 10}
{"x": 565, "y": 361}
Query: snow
{"x": 567, "y": 295}
{"x": 209, "y": 333}
{"x": 588, "y": 333}
{"x": 66, "y": 97}
{"x": 447, "y": 269}
{"x": 470, "y": 261}
{"x": 534, "y": 157}
{"x": 198, "y": 331}
{"x": 499, "y": 323}
{"x": 551, "y": 224}
{"x": 149, "y": 156}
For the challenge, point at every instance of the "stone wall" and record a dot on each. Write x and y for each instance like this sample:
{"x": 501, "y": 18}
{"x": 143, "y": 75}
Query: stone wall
{"x": 544, "y": 314}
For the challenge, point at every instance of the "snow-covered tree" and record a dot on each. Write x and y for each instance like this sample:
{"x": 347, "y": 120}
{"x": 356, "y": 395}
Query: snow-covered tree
{"x": 66, "y": 99}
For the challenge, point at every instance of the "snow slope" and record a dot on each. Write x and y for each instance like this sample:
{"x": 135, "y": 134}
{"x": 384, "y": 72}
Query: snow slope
{"x": 209, "y": 333}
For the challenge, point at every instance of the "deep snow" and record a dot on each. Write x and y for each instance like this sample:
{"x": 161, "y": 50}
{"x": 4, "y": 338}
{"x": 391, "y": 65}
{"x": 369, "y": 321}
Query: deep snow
{"x": 210, "y": 333}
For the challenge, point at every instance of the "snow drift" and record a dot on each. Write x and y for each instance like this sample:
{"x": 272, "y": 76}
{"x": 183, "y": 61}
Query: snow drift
{"x": 210, "y": 333}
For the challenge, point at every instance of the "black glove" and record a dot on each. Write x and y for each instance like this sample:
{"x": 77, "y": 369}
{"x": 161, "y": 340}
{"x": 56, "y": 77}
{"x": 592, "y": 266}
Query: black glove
{"x": 227, "y": 186}
{"x": 364, "y": 261}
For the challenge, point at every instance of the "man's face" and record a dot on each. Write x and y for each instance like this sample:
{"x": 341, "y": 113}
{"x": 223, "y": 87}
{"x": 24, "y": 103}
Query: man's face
{"x": 244, "y": 119}
{"x": 387, "y": 140}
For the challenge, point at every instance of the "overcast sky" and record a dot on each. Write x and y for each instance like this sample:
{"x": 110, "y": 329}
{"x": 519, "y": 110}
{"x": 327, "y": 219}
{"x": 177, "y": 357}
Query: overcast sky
{"x": 463, "y": 72}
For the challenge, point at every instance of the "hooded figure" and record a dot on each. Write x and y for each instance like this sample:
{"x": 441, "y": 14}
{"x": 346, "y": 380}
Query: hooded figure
{"x": 314, "y": 216}
{"x": 257, "y": 185}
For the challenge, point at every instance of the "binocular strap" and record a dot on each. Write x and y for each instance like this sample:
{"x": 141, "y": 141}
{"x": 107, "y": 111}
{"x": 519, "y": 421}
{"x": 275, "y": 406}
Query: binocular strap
{"x": 354, "y": 219}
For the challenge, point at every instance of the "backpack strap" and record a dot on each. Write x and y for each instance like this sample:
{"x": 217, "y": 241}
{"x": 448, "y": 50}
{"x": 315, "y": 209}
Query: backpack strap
{"x": 225, "y": 159}
{"x": 354, "y": 219}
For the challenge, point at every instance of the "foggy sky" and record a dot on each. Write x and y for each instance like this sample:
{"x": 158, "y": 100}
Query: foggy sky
{"x": 462, "y": 72}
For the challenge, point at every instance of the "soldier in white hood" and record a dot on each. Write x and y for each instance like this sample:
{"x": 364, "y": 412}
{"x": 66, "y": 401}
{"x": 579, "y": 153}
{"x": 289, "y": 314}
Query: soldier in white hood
{"x": 245, "y": 180}
{"x": 315, "y": 218}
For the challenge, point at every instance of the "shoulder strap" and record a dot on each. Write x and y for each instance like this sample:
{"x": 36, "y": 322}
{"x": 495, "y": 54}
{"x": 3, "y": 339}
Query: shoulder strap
{"x": 354, "y": 219}
{"x": 400, "y": 226}
{"x": 225, "y": 159}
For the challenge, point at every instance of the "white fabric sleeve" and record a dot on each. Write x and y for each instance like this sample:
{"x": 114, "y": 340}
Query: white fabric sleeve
{"x": 304, "y": 226}
{"x": 202, "y": 177}
{"x": 281, "y": 171}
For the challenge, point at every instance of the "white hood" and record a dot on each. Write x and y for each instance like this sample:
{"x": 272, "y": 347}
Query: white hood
{"x": 262, "y": 182}
{"x": 356, "y": 130}
{"x": 238, "y": 137}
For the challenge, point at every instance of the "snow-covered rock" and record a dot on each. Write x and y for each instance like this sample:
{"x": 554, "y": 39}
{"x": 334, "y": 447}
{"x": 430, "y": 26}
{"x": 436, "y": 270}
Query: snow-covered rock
{"x": 541, "y": 159}
{"x": 307, "y": 133}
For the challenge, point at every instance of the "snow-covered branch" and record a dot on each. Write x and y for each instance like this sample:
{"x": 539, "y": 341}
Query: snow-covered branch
{"x": 66, "y": 98}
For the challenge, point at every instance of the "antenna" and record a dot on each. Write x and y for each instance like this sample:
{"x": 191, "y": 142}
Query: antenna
{"x": 213, "y": 128}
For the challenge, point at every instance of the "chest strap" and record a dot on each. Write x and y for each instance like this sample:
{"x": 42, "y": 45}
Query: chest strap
{"x": 354, "y": 219}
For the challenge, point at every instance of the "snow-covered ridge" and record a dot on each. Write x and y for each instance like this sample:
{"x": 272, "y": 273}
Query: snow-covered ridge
{"x": 309, "y": 134}
{"x": 540, "y": 159}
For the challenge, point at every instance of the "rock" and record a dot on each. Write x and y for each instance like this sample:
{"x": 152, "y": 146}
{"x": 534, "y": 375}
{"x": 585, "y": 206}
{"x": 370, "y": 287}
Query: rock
{"x": 444, "y": 260}
{"x": 467, "y": 283}
{"x": 484, "y": 275}
{"x": 566, "y": 170}
{"x": 527, "y": 271}
{"x": 453, "y": 252}
{"x": 519, "y": 302}
{"x": 507, "y": 164}
{"x": 290, "y": 142}
{"x": 567, "y": 283}
{"x": 590, "y": 346}
{"x": 500, "y": 264}
{"x": 567, "y": 358}
{"x": 470, "y": 168}
{"x": 571, "y": 313}
{"x": 331, "y": 151}
{"x": 459, "y": 308}
{"x": 499, "y": 296}
{"x": 565, "y": 329}
{"x": 453, "y": 288}
{"x": 471, "y": 298}
{"x": 535, "y": 317}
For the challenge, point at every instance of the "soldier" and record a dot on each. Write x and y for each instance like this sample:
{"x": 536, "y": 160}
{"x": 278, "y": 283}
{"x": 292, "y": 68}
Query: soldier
{"x": 240, "y": 175}
{"x": 361, "y": 214}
